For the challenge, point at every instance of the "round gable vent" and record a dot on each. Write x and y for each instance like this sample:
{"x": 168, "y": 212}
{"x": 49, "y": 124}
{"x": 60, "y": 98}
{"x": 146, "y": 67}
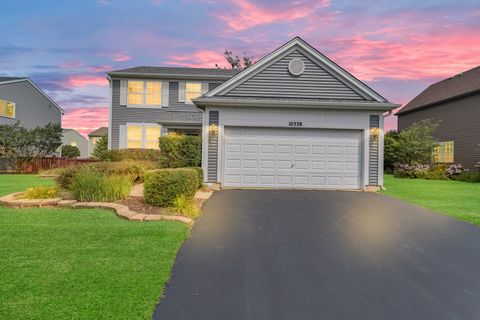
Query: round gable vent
{"x": 296, "y": 67}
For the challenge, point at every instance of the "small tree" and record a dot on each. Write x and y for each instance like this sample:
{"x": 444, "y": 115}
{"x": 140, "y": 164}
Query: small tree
{"x": 100, "y": 146}
{"x": 413, "y": 145}
{"x": 21, "y": 146}
{"x": 69, "y": 151}
{"x": 236, "y": 62}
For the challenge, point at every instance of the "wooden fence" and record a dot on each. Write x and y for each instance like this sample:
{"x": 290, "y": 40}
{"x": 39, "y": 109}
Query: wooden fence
{"x": 46, "y": 163}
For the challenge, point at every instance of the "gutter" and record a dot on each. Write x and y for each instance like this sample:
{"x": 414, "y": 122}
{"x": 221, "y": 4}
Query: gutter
{"x": 344, "y": 105}
{"x": 170, "y": 76}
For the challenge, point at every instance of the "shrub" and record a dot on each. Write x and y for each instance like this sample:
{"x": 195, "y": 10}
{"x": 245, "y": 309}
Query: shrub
{"x": 131, "y": 154}
{"x": 180, "y": 151}
{"x": 69, "y": 151}
{"x": 41, "y": 192}
{"x": 468, "y": 176}
{"x": 163, "y": 186}
{"x": 410, "y": 171}
{"x": 135, "y": 170}
{"x": 454, "y": 170}
{"x": 200, "y": 175}
{"x": 93, "y": 186}
{"x": 185, "y": 206}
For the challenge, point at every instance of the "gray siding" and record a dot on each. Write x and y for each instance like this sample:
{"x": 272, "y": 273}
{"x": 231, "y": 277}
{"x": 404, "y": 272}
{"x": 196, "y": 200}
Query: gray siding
{"x": 373, "y": 152}
{"x": 121, "y": 114}
{"x": 32, "y": 109}
{"x": 213, "y": 119}
{"x": 459, "y": 122}
{"x": 276, "y": 82}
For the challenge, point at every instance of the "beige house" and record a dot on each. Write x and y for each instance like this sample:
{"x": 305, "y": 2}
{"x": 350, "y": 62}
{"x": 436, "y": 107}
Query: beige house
{"x": 94, "y": 136}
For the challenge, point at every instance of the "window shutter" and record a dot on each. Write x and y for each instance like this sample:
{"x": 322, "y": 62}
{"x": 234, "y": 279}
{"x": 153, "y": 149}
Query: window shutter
{"x": 122, "y": 137}
{"x": 123, "y": 92}
{"x": 165, "y": 89}
{"x": 181, "y": 91}
{"x": 204, "y": 87}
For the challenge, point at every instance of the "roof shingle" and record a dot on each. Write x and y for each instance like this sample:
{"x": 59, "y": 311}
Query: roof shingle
{"x": 176, "y": 71}
{"x": 463, "y": 83}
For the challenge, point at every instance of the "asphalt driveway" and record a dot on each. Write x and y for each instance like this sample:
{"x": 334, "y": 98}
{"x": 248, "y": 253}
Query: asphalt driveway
{"x": 323, "y": 255}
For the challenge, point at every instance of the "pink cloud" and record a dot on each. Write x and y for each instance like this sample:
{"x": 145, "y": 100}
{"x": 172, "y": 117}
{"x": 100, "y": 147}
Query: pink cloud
{"x": 198, "y": 59}
{"x": 86, "y": 80}
{"x": 121, "y": 57}
{"x": 85, "y": 120}
{"x": 247, "y": 14}
{"x": 421, "y": 56}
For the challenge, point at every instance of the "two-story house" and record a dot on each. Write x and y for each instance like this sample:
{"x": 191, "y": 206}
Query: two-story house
{"x": 455, "y": 104}
{"x": 21, "y": 100}
{"x": 294, "y": 119}
{"x": 147, "y": 102}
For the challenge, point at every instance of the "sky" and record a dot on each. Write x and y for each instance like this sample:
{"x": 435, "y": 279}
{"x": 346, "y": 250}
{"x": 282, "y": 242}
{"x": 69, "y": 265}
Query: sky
{"x": 396, "y": 47}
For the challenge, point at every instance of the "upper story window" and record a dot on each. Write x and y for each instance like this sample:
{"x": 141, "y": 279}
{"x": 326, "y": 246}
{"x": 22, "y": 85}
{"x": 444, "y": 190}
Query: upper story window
{"x": 7, "y": 109}
{"x": 192, "y": 90}
{"x": 144, "y": 93}
{"x": 443, "y": 152}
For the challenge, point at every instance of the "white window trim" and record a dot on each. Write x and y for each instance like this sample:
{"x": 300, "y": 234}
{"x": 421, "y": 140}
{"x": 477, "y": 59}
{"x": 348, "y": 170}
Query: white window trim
{"x": 442, "y": 151}
{"x": 186, "y": 92}
{"x": 143, "y": 125}
{"x": 144, "y": 96}
{"x": 14, "y": 110}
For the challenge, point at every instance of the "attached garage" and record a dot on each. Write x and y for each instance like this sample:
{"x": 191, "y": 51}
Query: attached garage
{"x": 292, "y": 158}
{"x": 294, "y": 120}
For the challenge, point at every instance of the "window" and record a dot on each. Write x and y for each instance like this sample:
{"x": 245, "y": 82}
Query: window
{"x": 94, "y": 140}
{"x": 192, "y": 90}
{"x": 143, "y": 136}
{"x": 443, "y": 152}
{"x": 144, "y": 93}
{"x": 73, "y": 143}
{"x": 7, "y": 109}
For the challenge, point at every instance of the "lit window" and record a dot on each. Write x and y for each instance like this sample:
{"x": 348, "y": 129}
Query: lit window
{"x": 144, "y": 93}
{"x": 443, "y": 152}
{"x": 94, "y": 140}
{"x": 7, "y": 109}
{"x": 135, "y": 92}
{"x": 143, "y": 136}
{"x": 192, "y": 90}
{"x": 73, "y": 143}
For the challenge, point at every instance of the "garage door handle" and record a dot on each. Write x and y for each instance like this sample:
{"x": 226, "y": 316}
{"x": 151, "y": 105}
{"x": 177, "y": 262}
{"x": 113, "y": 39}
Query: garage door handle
{"x": 293, "y": 165}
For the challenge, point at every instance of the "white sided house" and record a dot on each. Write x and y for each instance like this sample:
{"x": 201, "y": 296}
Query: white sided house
{"x": 293, "y": 120}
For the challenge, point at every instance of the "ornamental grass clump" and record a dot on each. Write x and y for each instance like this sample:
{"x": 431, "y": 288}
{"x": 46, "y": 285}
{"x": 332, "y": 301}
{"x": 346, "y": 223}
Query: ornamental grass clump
{"x": 94, "y": 186}
{"x": 185, "y": 206}
{"x": 41, "y": 192}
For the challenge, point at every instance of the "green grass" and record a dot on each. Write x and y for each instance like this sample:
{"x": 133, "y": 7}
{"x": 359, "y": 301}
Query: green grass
{"x": 457, "y": 199}
{"x": 83, "y": 264}
{"x": 10, "y": 183}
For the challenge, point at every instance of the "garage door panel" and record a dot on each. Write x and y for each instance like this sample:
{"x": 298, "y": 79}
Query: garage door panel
{"x": 292, "y": 158}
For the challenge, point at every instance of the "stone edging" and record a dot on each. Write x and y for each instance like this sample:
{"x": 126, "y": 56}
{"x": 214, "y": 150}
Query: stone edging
{"x": 121, "y": 210}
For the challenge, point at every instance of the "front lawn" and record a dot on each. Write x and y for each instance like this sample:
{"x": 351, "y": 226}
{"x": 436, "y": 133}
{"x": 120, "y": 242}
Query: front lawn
{"x": 10, "y": 183}
{"x": 83, "y": 264}
{"x": 457, "y": 199}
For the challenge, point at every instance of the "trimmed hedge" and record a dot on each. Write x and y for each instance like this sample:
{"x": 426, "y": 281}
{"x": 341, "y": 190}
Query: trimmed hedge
{"x": 134, "y": 170}
{"x": 131, "y": 154}
{"x": 200, "y": 175}
{"x": 163, "y": 186}
{"x": 179, "y": 151}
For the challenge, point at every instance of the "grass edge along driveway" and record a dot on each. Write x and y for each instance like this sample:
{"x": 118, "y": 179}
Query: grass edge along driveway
{"x": 457, "y": 199}
{"x": 58, "y": 263}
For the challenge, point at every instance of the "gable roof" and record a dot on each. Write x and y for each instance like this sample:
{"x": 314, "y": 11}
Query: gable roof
{"x": 318, "y": 58}
{"x": 8, "y": 80}
{"x": 73, "y": 130}
{"x": 454, "y": 87}
{"x": 175, "y": 72}
{"x": 100, "y": 132}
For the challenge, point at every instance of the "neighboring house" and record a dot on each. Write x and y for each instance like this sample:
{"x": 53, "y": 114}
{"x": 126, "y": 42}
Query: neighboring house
{"x": 21, "y": 100}
{"x": 455, "y": 103}
{"x": 73, "y": 138}
{"x": 294, "y": 119}
{"x": 94, "y": 136}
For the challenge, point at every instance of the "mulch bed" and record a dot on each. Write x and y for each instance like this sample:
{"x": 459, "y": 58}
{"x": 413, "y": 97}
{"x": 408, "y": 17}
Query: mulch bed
{"x": 137, "y": 204}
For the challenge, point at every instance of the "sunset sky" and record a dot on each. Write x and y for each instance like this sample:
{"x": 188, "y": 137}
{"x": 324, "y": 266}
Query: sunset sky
{"x": 396, "y": 47}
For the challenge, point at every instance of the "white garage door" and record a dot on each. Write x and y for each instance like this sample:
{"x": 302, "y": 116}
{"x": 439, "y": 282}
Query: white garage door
{"x": 292, "y": 158}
